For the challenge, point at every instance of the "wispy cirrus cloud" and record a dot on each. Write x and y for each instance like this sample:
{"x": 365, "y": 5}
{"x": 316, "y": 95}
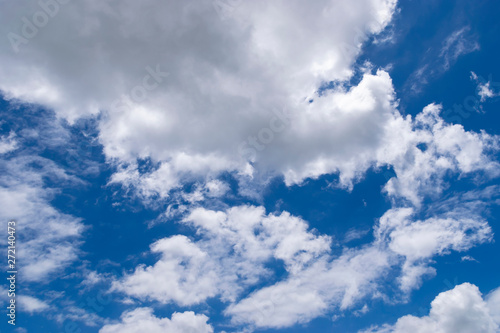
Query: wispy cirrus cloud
{"x": 437, "y": 61}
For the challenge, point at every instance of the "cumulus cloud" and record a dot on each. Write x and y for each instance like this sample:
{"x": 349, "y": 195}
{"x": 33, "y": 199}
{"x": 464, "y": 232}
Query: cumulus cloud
{"x": 232, "y": 255}
{"x": 418, "y": 241}
{"x": 327, "y": 283}
{"x": 143, "y": 319}
{"x": 461, "y": 309}
{"x": 172, "y": 82}
{"x": 190, "y": 90}
{"x": 234, "y": 246}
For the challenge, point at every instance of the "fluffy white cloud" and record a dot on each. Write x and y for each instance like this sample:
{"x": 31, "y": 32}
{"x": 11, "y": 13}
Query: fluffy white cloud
{"x": 232, "y": 255}
{"x": 226, "y": 78}
{"x": 422, "y": 151}
{"x": 331, "y": 282}
{"x": 460, "y": 310}
{"x": 234, "y": 245}
{"x": 241, "y": 95}
{"x": 180, "y": 275}
{"x": 327, "y": 283}
{"x": 143, "y": 320}
{"x": 420, "y": 240}
{"x": 200, "y": 95}
{"x": 238, "y": 242}
{"x": 31, "y": 304}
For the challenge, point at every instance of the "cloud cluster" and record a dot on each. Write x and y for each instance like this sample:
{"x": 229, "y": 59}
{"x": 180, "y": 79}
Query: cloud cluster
{"x": 198, "y": 95}
{"x": 231, "y": 256}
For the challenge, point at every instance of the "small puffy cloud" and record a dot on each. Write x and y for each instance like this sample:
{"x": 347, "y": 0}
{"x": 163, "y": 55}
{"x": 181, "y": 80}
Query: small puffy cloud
{"x": 8, "y": 143}
{"x": 180, "y": 275}
{"x": 31, "y": 304}
{"x": 143, "y": 320}
{"x": 92, "y": 278}
{"x": 485, "y": 88}
{"x": 460, "y": 310}
{"x": 468, "y": 258}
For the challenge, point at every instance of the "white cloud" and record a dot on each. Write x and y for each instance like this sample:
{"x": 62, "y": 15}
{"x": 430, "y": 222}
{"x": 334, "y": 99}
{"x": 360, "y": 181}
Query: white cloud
{"x": 238, "y": 91}
{"x": 342, "y": 282}
{"x": 235, "y": 244}
{"x": 92, "y": 278}
{"x": 225, "y": 79}
{"x": 418, "y": 241}
{"x": 457, "y": 44}
{"x": 181, "y": 274}
{"x": 354, "y": 234}
{"x": 437, "y": 61}
{"x": 468, "y": 258}
{"x": 314, "y": 290}
{"x": 460, "y": 310}
{"x": 484, "y": 89}
{"x": 8, "y": 143}
{"x": 50, "y": 238}
{"x": 447, "y": 148}
{"x": 31, "y": 304}
{"x": 143, "y": 320}
{"x": 493, "y": 301}
{"x": 231, "y": 256}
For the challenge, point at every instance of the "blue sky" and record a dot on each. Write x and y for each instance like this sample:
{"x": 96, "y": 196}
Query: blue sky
{"x": 237, "y": 166}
